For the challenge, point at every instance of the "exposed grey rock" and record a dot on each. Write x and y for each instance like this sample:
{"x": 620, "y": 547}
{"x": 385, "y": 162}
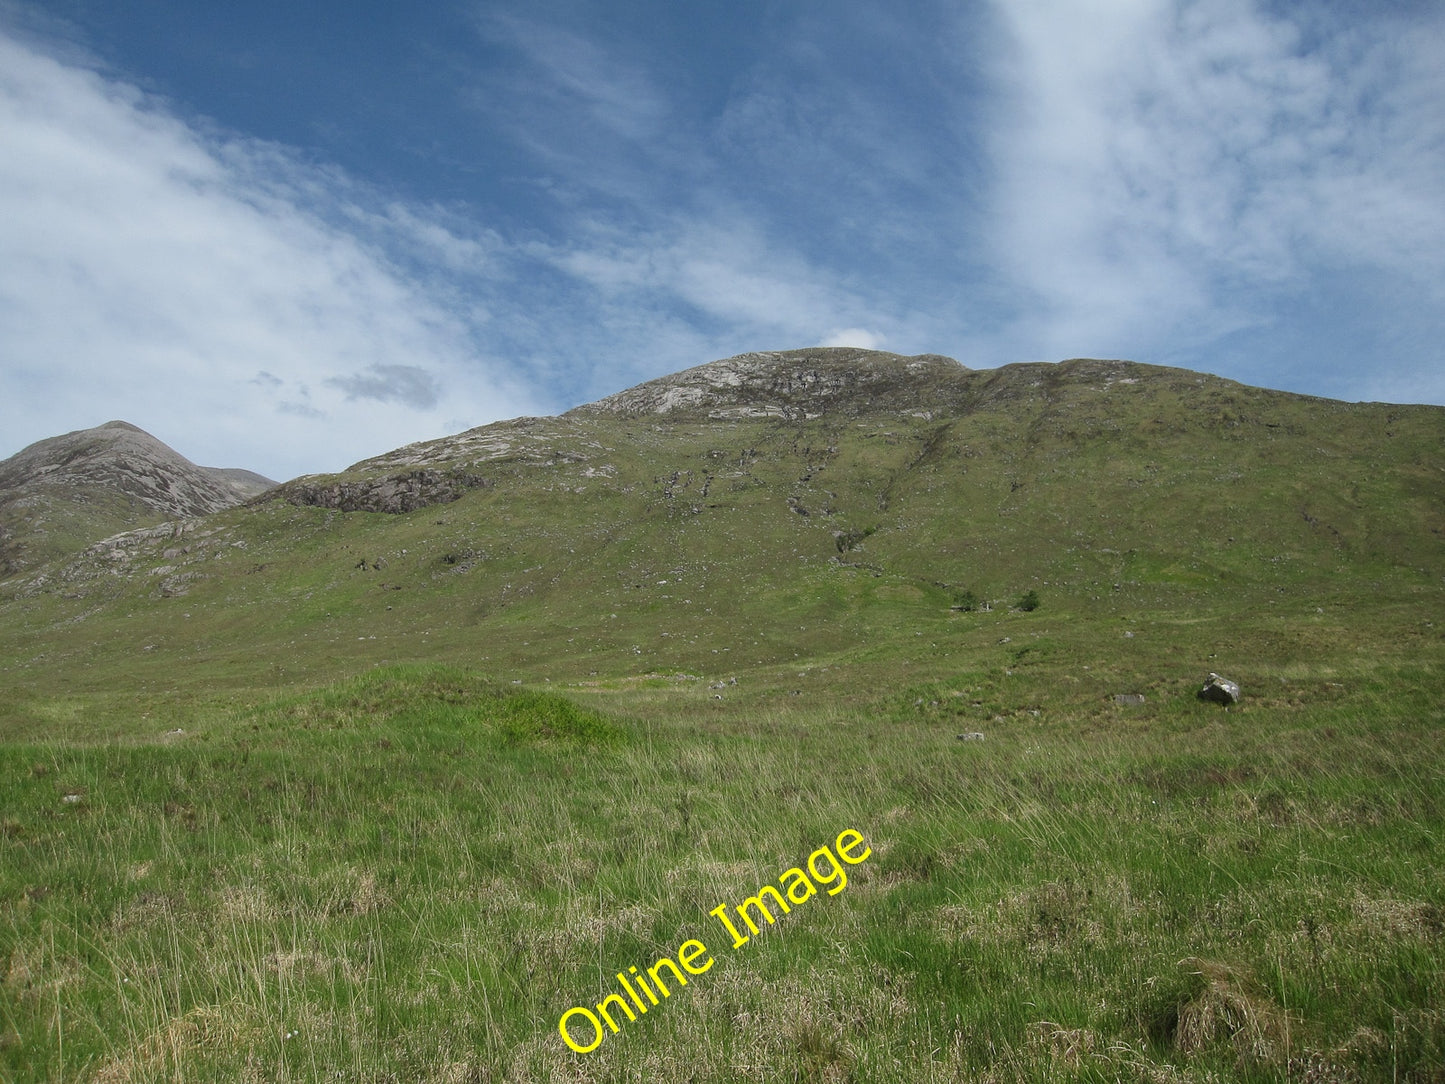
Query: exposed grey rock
{"x": 536, "y": 441}
{"x": 794, "y": 385}
{"x": 396, "y": 494}
{"x": 1219, "y": 690}
{"x": 128, "y": 460}
{"x": 1129, "y": 699}
{"x": 972, "y": 735}
{"x": 441, "y": 471}
{"x": 102, "y": 480}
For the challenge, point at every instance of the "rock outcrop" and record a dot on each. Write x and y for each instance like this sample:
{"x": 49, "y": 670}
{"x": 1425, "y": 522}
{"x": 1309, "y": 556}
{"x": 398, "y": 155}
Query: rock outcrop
{"x": 794, "y": 385}
{"x": 393, "y": 494}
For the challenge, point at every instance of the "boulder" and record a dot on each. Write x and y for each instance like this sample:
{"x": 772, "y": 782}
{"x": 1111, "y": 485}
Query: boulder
{"x": 1220, "y": 690}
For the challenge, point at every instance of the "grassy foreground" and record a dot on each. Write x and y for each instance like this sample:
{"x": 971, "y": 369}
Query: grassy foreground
{"x": 292, "y": 793}
{"x": 411, "y": 874}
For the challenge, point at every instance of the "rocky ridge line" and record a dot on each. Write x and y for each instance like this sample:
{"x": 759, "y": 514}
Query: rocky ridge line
{"x": 124, "y": 459}
{"x": 793, "y": 385}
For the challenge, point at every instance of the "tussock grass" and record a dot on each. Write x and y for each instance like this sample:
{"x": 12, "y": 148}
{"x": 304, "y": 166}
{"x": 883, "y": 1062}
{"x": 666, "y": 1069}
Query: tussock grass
{"x": 391, "y": 877}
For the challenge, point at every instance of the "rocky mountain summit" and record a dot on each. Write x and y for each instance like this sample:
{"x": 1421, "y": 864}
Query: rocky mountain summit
{"x": 836, "y": 388}
{"x": 123, "y": 457}
{"x": 778, "y": 385}
{"x": 64, "y": 492}
{"x": 793, "y": 385}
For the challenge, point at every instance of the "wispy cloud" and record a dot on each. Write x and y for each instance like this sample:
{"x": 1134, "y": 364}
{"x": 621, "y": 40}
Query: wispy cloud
{"x": 183, "y": 274}
{"x": 683, "y": 234}
{"x": 1172, "y": 172}
{"x": 408, "y": 384}
{"x": 855, "y": 336}
{"x": 722, "y": 269}
{"x": 155, "y": 267}
{"x": 570, "y": 74}
{"x": 587, "y": 114}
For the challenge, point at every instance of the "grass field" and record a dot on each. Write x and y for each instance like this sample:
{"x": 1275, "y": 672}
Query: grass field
{"x": 411, "y": 875}
{"x": 296, "y": 794}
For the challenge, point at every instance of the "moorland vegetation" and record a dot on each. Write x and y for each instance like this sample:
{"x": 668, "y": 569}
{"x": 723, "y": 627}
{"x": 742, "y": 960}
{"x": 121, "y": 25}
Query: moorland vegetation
{"x": 374, "y": 777}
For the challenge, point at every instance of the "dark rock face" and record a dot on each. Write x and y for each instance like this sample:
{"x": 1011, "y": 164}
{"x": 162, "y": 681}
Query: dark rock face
{"x": 1219, "y": 690}
{"x": 393, "y": 495}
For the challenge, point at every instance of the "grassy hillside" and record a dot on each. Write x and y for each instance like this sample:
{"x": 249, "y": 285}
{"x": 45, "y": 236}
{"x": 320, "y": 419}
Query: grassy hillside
{"x": 299, "y": 793}
{"x": 47, "y": 523}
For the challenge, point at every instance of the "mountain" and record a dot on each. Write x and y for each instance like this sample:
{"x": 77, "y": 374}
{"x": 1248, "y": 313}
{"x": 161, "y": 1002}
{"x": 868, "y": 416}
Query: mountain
{"x": 795, "y": 385}
{"x": 394, "y": 770}
{"x": 60, "y": 494}
{"x": 794, "y": 505}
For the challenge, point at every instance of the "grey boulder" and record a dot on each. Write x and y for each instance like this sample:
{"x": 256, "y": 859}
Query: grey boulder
{"x": 1219, "y": 690}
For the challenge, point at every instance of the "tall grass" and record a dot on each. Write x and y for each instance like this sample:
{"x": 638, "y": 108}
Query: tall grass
{"x": 413, "y": 874}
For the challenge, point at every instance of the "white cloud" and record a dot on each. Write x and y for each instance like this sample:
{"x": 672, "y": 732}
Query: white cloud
{"x": 715, "y": 279}
{"x": 1140, "y": 178}
{"x": 1171, "y": 170}
{"x": 854, "y": 336}
{"x": 240, "y": 304}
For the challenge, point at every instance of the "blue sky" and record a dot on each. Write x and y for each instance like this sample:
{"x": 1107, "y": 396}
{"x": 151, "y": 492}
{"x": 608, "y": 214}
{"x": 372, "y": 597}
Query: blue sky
{"x": 287, "y": 236}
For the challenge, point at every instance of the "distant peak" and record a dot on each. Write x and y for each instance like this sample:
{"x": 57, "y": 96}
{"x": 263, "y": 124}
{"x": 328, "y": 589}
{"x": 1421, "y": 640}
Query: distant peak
{"x": 120, "y": 458}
